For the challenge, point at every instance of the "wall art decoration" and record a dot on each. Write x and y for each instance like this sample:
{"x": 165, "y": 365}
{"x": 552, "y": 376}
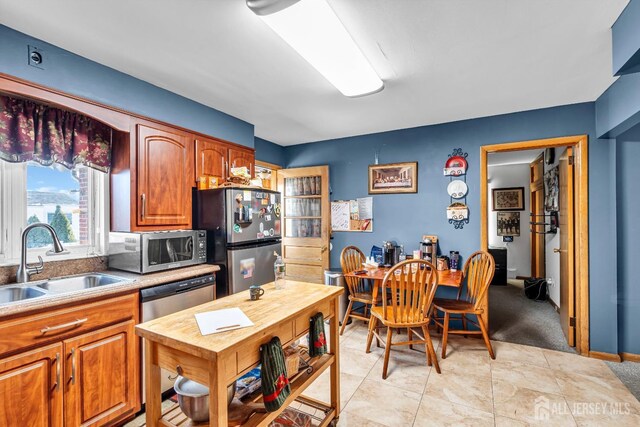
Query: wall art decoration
{"x": 456, "y": 169}
{"x": 393, "y": 178}
{"x": 456, "y": 165}
{"x": 508, "y": 199}
{"x": 508, "y": 223}
{"x": 552, "y": 190}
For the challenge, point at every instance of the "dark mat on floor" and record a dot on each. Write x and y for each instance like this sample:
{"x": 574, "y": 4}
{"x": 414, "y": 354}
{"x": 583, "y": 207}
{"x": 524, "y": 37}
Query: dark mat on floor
{"x": 517, "y": 319}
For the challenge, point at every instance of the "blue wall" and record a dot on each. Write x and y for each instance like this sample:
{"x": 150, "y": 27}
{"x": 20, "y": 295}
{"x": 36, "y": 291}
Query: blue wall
{"x": 269, "y": 152}
{"x": 618, "y": 116}
{"x": 628, "y": 240}
{"x": 626, "y": 40}
{"x": 618, "y": 108}
{"x": 79, "y": 76}
{"x": 405, "y": 217}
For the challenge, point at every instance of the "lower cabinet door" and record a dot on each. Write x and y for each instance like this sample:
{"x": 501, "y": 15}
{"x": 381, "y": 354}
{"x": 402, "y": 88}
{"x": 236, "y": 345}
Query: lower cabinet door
{"x": 101, "y": 376}
{"x": 31, "y": 388}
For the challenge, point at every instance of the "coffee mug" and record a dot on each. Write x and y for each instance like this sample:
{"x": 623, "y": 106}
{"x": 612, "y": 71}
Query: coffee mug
{"x": 255, "y": 292}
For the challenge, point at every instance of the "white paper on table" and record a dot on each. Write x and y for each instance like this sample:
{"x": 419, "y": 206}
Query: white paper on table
{"x": 227, "y": 319}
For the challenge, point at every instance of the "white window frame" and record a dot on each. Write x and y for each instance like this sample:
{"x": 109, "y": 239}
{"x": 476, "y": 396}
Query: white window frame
{"x": 13, "y": 217}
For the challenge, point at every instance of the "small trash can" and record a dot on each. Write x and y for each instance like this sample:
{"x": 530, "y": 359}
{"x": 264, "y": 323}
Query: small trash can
{"x": 334, "y": 277}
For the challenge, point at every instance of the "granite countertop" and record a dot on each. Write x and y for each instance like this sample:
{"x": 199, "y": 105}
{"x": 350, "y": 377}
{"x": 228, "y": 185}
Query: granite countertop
{"x": 134, "y": 282}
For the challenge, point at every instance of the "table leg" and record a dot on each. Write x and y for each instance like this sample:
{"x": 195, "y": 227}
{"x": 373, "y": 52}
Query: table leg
{"x": 152, "y": 392}
{"x": 374, "y": 292}
{"x": 218, "y": 411}
{"x": 335, "y": 349}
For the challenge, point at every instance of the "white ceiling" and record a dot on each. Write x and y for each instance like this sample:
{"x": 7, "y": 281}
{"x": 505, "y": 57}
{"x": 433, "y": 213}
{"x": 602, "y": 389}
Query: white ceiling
{"x": 512, "y": 157}
{"x": 441, "y": 60}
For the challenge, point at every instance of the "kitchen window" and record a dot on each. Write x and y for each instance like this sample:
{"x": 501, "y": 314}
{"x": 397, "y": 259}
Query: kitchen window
{"x": 74, "y": 202}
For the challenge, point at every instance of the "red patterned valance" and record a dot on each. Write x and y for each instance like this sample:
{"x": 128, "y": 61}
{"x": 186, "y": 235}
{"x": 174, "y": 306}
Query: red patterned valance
{"x": 33, "y": 131}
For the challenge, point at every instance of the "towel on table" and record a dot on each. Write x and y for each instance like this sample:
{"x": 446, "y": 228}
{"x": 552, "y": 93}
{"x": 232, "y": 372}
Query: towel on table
{"x": 275, "y": 384}
{"x": 317, "y": 340}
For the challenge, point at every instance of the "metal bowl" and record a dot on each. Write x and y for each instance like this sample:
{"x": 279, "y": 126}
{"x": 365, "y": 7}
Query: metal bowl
{"x": 193, "y": 398}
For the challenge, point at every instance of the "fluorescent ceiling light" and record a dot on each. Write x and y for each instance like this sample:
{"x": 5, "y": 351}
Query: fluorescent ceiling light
{"x": 313, "y": 30}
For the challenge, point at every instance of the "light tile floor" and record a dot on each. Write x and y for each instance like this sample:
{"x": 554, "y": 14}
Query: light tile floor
{"x": 523, "y": 386}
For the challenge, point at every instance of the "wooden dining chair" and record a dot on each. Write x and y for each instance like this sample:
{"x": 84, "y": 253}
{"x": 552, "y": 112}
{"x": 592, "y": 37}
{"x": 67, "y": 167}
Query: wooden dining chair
{"x": 351, "y": 259}
{"x": 412, "y": 285}
{"x": 478, "y": 271}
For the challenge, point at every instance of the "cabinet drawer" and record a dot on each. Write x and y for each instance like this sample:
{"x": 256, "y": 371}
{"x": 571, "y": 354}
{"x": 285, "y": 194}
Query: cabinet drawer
{"x": 250, "y": 353}
{"x": 42, "y": 328}
{"x": 302, "y": 321}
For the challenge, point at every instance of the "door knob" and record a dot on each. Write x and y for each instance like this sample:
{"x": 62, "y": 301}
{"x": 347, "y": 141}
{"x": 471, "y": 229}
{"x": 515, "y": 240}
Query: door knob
{"x": 557, "y": 250}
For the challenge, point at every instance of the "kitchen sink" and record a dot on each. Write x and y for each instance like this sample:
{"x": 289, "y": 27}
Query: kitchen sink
{"x": 19, "y": 293}
{"x": 79, "y": 282}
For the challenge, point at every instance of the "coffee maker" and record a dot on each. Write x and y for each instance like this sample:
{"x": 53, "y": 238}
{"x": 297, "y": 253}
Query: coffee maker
{"x": 390, "y": 253}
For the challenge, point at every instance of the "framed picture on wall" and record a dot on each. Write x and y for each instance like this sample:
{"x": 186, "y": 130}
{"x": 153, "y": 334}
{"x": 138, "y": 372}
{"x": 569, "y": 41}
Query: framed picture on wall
{"x": 508, "y": 199}
{"x": 508, "y": 223}
{"x": 393, "y": 178}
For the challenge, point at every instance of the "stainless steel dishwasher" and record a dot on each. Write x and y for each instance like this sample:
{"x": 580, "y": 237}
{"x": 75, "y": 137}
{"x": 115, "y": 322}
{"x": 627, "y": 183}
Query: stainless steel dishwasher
{"x": 162, "y": 300}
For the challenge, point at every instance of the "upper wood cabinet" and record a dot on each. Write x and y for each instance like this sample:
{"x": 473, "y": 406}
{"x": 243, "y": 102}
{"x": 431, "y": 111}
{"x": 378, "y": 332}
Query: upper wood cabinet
{"x": 216, "y": 158}
{"x": 151, "y": 178}
{"x": 239, "y": 158}
{"x": 164, "y": 171}
{"x": 32, "y": 385}
{"x": 211, "y": 158}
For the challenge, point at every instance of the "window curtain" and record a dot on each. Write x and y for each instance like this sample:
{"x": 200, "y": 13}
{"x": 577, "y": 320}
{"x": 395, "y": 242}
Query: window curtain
{"x": 33, "y": 131}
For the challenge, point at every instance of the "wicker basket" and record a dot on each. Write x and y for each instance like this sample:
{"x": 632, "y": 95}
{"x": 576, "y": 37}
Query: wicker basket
{"x": 291, "y": 361}
{"x": 239, "y": 180}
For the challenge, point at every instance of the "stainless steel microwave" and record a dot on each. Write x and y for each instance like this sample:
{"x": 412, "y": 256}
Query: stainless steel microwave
{"x": 148, "y": 252}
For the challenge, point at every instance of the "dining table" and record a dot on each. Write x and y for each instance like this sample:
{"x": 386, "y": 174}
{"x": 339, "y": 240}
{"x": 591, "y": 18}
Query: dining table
{"x": 449, "y": 278}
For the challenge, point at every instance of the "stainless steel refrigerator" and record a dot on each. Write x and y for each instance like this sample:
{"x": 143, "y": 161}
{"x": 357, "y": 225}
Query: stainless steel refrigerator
{"x": 243, "y": 231}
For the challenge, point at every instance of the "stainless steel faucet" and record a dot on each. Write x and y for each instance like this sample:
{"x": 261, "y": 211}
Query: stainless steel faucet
{"x": 24, "y": 270}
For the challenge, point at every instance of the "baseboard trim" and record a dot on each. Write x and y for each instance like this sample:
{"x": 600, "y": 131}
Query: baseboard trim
{"x": 553, "y": 304}
{"x": 630, "y": 357}
{"x": 609, "y": 357}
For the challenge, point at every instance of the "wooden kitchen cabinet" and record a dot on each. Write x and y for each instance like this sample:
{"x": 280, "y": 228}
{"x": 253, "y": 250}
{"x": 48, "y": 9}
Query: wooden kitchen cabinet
{"x": 71, "y": 366}
{"x": 154, "y": 169}
{"x": 151, "y": 178}
{"x": 216, "y": 158}
{"x": 30, "y": 384}
{"x": 164, "y": 169}
{"x": 211, "y": 159}
{"x": 101, "y": 382}
{"x": 239, "y": 158}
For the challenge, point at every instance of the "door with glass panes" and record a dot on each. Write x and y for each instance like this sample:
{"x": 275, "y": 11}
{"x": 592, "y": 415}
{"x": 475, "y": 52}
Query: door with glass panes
{"x": 305, "y": 213}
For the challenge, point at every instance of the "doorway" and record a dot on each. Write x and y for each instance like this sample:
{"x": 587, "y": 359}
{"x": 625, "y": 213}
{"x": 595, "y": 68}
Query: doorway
{"x": 574, "y": 249}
